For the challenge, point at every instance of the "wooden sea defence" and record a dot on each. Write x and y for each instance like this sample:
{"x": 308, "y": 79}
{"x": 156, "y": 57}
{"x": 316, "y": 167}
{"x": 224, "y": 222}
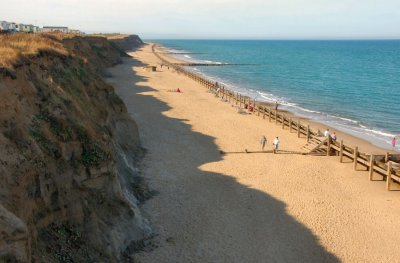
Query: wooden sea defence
{"x": 209, "y": 64}
{"x": 387, "y": 166}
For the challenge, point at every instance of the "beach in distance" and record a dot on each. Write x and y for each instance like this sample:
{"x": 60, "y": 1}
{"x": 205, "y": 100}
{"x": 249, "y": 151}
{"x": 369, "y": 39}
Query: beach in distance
{"x": 348, "y": 85}
{"x": 220, "y": 198}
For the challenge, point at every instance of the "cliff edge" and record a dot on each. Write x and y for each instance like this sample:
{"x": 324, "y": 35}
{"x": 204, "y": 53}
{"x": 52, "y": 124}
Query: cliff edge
{"x": 69, "y": 155}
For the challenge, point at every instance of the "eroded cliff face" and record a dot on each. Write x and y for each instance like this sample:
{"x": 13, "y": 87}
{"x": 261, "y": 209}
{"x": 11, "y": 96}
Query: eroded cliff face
{"x": 69, "y": 178}
{"x": 127, "y": 42}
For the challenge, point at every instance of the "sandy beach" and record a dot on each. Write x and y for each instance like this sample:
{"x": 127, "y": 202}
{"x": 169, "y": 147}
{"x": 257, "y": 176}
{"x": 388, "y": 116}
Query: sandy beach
{"x": 241, "y": 207}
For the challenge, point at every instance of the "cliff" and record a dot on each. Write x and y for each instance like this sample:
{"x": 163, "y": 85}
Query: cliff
{"x": 126, "y": 42}
{"x": 69, "y": 178}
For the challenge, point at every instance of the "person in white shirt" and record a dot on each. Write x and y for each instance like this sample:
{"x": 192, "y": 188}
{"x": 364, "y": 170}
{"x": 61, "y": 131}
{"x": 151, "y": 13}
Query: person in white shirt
{"x": 276, "y": 144}
{"x": 327, "y": 133}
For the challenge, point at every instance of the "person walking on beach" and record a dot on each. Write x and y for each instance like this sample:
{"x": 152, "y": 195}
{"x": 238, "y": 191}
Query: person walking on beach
{"x": 217, "y": 92}
{"x": 276, "y": 144}
{"x": 327, "y": 133}
{"x": 333, "y": 137}
{"x": 394, "y": 143}
{"x": 216, "y": 87}
{"x": 276, "y": 105}
{"x": 263, "y": 142}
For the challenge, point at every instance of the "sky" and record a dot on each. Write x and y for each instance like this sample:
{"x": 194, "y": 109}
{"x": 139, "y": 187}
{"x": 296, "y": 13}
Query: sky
{"x": 216, "y": 19}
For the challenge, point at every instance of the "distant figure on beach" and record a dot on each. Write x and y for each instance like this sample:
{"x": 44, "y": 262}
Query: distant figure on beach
{"x": 217, "y": 92}
{"x": 263, "y": 142}
{"x": 276, "y": 144}
{"x": 178, "y": 90}
{"x": 327, "y": 133}
{"x": 394, "y": 143}
{"x": 333, "y": 137}
{"x": 276, "y": 105}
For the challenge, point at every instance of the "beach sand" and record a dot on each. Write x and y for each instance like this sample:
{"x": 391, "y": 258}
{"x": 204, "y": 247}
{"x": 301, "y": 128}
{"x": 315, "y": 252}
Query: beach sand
{"x": 245, "y": 207}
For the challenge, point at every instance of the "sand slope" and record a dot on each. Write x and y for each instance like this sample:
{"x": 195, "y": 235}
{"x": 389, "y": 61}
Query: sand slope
{"x": 243, "y": 207}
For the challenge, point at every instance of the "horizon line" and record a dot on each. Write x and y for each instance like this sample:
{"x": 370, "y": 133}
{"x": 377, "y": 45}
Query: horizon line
{"x": 281, "y": 39}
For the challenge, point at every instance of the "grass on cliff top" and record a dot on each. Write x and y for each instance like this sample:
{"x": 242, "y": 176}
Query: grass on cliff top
{"x": 111, "y": 36}
{"x": 16, "y": 46}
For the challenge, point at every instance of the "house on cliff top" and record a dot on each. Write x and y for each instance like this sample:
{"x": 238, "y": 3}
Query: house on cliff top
{"x": 3, "y": 26}
{"x": 26, "y": 28}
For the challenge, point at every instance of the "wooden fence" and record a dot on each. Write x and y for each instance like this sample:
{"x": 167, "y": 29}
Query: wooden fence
{"x": 386, "y": 165}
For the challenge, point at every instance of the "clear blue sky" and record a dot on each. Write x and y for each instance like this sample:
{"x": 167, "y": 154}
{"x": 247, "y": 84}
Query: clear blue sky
{"x": 260, "y": 19}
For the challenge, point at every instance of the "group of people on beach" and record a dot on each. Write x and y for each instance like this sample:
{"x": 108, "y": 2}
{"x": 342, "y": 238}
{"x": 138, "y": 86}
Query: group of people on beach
{"x": 328, "y": 134}
{"x": 333, "y": 137}
{"x": 275, "y": 143}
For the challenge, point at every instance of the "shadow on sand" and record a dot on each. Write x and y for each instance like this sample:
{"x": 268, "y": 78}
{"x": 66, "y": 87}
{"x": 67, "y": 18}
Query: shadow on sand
{"x": 201, "y": 216}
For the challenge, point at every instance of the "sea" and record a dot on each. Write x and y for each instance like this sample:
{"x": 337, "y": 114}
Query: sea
{"x": 350, "y": 85}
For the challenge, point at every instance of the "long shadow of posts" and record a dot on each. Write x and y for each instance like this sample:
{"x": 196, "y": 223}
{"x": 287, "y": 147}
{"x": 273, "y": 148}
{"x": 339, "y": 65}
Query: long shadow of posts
{"x": 212, "y": 217}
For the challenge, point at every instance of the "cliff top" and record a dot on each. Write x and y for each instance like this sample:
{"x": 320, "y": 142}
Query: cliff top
{"x": 14, "y": 47}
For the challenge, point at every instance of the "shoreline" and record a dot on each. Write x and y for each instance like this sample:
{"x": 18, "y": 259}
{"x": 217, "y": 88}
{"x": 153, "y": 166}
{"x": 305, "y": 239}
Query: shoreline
{"x": 364, "y": 145}
{"x": 239, "y": 206}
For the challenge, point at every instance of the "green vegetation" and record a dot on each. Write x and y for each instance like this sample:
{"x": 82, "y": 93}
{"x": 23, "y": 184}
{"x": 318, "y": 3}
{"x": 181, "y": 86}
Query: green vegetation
{"x": 83, "y": 75}
{"x": 60, "y": 130}
{"x": 65, "y": 243}
{"x": 93, "y": 155}
{"x": 47, "y": 145}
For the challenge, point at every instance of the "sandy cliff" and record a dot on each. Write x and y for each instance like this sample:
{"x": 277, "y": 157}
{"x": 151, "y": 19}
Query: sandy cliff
{"x": 69, "y": 178}
{"x": 126, "y": 42}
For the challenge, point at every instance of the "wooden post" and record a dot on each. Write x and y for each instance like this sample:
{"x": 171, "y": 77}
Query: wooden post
{"x": 269, "y": 114}
{"x": 386, "y": 157}
{"x": 298, "y": 128}
{"x": 240, "y": 100}
{"x": 263, "y": 112}
{"x": 308, "y": 133}
{"x": 355, "y": 157}
{"x": 341, "y": 151}
{"x": 283, "y": 121}
{"x": 223, "y": 92}
{"x": 389, "y": 176}
{"x": 371, "y": 166}
{"x": 290, "y": 125}
{"x": 276, "y": 117}
{"x": 328, "y": 148}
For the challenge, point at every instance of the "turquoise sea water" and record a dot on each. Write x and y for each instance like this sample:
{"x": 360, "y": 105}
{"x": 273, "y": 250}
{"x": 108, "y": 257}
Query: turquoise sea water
{"x": 353, "y": 86}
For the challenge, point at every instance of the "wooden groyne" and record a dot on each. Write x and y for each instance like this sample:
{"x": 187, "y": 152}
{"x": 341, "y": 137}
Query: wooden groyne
{"x": 387, "y": 166}
{"x": 181, "y": 53}
{"x": 210, "y": 64}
